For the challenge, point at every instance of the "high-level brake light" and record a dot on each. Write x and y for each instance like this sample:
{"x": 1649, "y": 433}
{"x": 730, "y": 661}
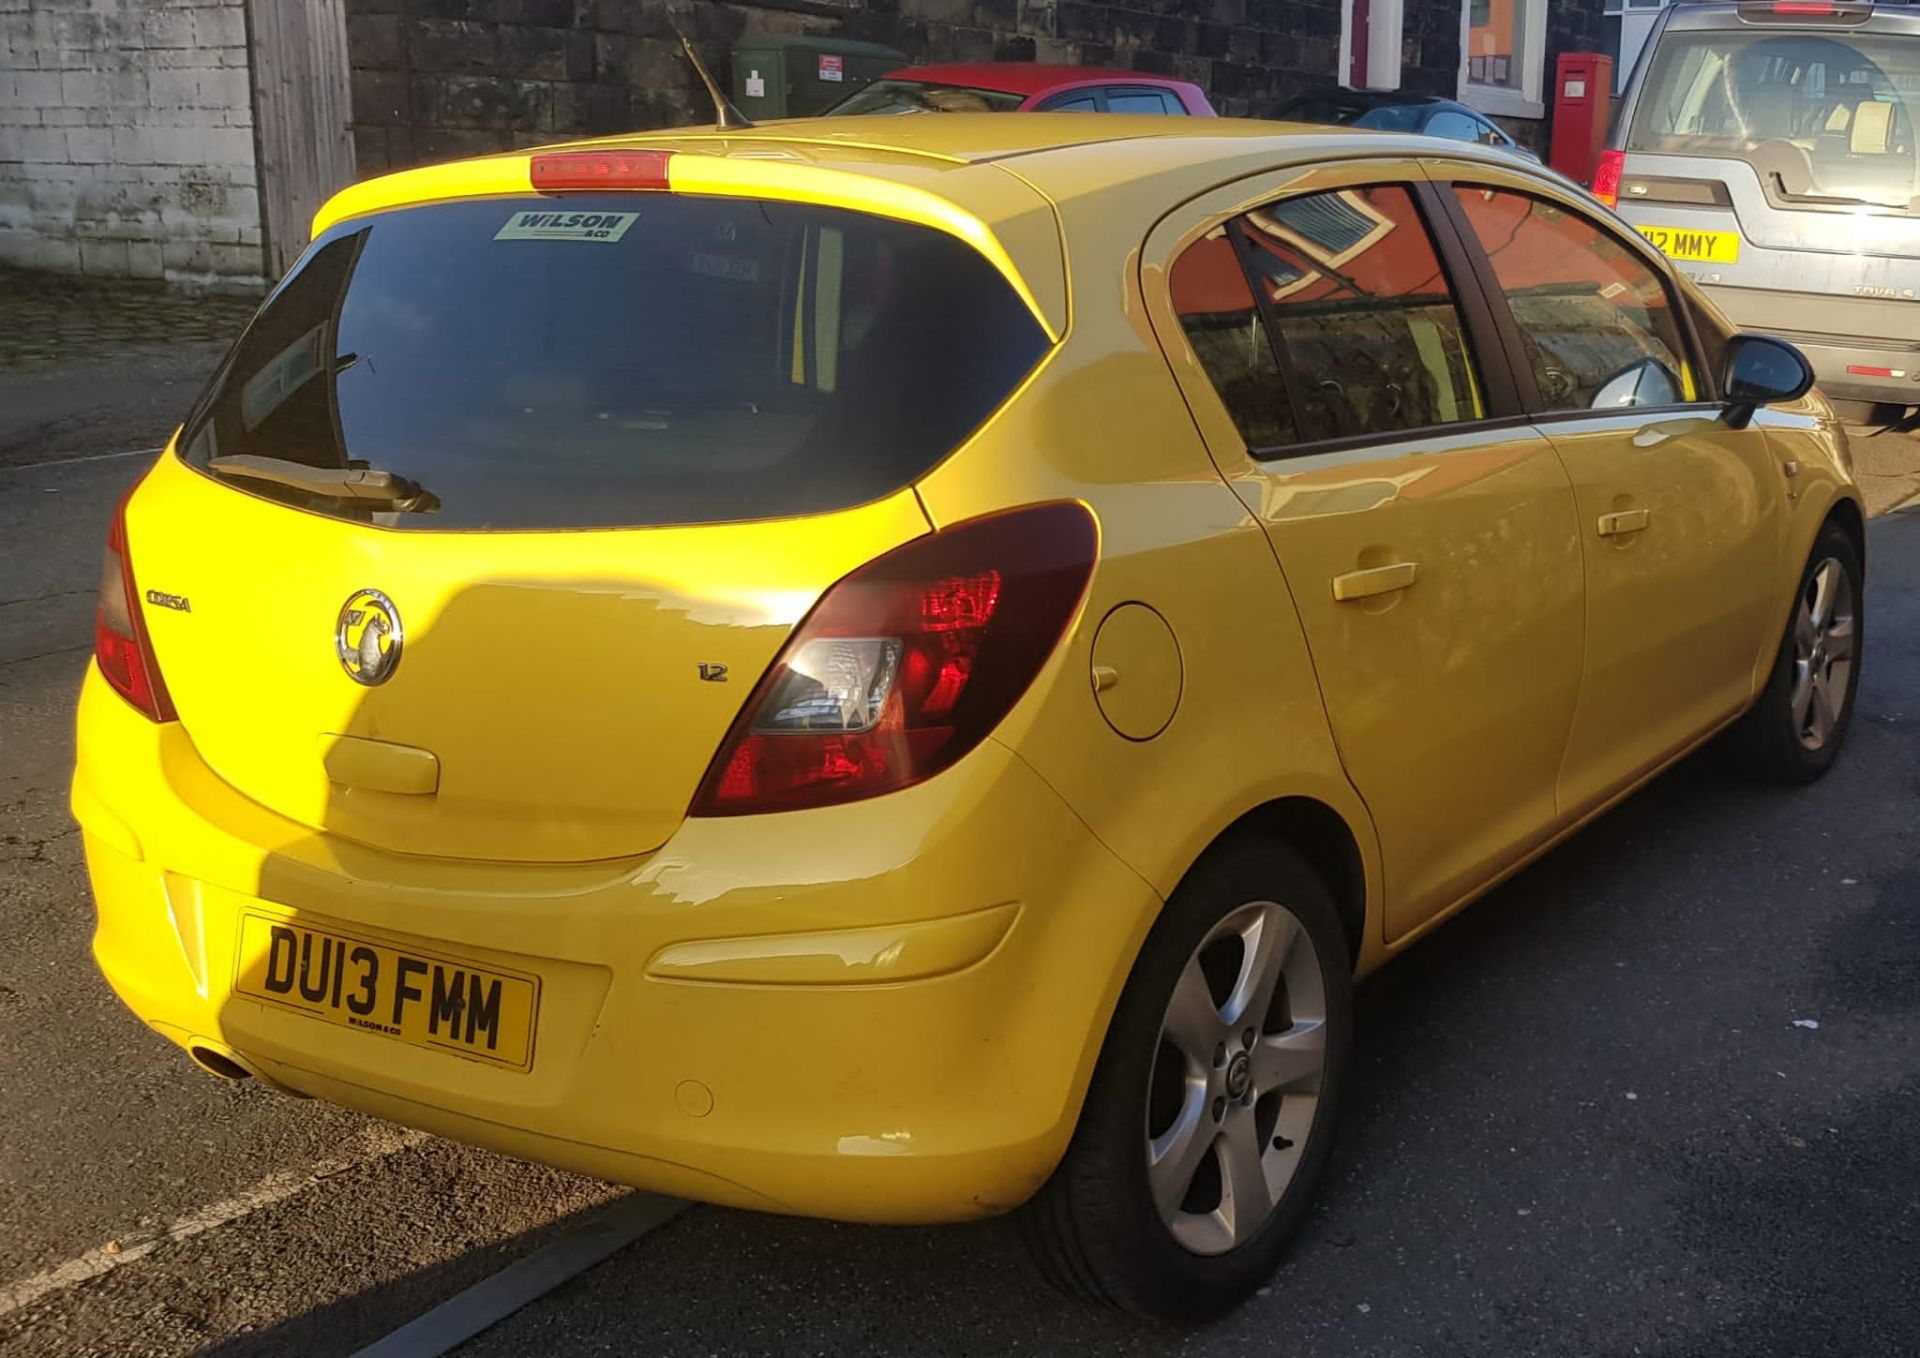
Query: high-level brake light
{"x": 611, "y": 171}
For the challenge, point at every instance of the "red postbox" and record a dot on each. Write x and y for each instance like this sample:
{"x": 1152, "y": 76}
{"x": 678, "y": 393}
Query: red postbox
{"x": 1582, "y": 107}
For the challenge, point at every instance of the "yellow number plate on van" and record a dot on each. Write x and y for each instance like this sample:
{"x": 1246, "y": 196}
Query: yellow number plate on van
{"x": 422, "y": 998}
{"x": 1702, "y": 247}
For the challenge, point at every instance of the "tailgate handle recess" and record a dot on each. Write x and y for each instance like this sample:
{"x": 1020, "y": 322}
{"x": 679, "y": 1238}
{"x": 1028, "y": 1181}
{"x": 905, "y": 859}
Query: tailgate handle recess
{"x": 380, "y": 765}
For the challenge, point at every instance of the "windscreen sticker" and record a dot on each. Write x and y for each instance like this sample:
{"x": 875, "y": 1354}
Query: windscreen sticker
{"x": 607, "y": 226}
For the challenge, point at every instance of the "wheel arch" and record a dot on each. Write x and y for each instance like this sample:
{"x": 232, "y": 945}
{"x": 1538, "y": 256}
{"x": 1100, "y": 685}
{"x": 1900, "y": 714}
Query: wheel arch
{"x": 1846, "y": 513}
{"x": 1323, "y": 837}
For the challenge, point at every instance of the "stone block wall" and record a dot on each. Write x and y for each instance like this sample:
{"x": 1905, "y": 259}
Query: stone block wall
{"x": 440, "y": 78}
{"x": 126, "y": 140}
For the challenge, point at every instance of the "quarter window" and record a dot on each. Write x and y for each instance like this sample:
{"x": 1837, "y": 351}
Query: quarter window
{"x": 1222, "y": 321}
{"x": 1328, "y": 316}
{"x": 1140, "y": 101}
{"x": 1597, "y": 322}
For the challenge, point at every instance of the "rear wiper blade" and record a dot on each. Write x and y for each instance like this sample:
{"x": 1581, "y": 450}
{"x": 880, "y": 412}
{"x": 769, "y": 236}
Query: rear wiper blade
{"x": 365, "y": 485}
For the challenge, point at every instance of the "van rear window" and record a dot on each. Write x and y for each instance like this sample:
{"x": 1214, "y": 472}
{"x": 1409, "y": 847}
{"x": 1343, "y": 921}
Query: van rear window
{"x": 618, "y": 360}
{"x": 1819, "y": 115}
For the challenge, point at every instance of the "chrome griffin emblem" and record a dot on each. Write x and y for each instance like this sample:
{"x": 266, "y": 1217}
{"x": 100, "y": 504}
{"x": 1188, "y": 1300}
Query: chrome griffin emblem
{"x": 368, "y": 637}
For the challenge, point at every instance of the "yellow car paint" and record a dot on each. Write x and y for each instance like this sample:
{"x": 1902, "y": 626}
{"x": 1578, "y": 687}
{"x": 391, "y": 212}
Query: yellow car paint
{"x": 890, "y": 1009}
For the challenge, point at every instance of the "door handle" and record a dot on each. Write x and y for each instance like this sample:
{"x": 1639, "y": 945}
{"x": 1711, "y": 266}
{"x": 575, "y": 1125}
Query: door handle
{"x": 1378, "y": 580}
{"x": 1623, "y": 521}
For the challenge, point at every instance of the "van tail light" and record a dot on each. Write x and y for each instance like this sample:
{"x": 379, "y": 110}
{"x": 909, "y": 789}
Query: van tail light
{"x": 1606, "y": 177}
{"x": 906, "y": 664}
{"x": 120, "y": 644}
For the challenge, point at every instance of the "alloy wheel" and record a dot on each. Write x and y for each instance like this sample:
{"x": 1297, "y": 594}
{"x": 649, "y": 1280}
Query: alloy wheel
{"x": 1823, "y": 653}
{"x": 1236, "y": 1078}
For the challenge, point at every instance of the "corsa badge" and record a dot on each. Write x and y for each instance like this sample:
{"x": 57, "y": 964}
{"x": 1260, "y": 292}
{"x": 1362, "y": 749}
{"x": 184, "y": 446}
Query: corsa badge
{"x": 368, "y": 637}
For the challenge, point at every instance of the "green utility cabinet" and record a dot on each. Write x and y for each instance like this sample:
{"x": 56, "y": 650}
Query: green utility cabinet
{"x": 796, "y": 75}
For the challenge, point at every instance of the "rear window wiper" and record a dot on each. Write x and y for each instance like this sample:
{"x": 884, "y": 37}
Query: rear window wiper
{"x": 370, "y": 486}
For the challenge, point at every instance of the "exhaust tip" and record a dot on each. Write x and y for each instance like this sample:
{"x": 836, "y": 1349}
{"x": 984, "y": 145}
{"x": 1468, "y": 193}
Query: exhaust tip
{"x": 218, "y": 1063}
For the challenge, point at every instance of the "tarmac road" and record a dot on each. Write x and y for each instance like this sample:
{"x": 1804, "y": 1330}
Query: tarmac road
{"x": 1585, "y": 1119}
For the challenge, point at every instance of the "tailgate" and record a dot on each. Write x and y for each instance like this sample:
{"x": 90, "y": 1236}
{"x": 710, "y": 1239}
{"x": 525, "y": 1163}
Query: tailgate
{"x": 560, "y": 687}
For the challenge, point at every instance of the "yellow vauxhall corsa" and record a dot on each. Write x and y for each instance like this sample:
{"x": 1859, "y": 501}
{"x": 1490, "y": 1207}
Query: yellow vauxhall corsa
{"x": 898, "y": 669}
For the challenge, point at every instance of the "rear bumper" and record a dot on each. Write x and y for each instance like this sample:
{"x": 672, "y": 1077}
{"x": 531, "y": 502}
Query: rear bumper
{"x": 1892, "y": 366}
{"x": 886, "y": 1011}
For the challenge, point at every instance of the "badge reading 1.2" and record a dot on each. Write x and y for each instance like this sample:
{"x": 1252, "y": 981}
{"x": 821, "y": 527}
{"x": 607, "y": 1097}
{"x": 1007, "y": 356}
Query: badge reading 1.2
{"x": 604, "y": 226}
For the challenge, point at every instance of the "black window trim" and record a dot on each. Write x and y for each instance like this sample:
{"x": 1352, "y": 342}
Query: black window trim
{"x": 1518, "y": 364}
{"x": 1491, "y": 366}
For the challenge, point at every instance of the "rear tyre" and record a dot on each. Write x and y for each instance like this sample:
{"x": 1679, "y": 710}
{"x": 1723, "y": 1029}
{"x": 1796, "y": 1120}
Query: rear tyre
{"x": 1210, "y": 1115}
{"x": 1796, "y": 729}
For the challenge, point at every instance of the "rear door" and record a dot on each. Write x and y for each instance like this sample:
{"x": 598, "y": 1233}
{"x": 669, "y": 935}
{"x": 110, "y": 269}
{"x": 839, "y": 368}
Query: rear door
{"x": 1678, "y": 514}
{"x": 1774, "y": 153}
{"x": 641, "y": 434}
{"x": 1353, "y": 394}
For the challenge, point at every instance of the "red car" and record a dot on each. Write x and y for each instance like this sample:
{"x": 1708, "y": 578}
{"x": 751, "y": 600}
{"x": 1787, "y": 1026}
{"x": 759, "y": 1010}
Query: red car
{"x": 1010, "y": 86}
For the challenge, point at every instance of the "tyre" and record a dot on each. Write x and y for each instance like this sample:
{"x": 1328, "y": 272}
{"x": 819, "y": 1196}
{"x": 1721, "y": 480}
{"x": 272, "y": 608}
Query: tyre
{"x": 1210, "y": 1114}
{"x": 1796, "y": 729}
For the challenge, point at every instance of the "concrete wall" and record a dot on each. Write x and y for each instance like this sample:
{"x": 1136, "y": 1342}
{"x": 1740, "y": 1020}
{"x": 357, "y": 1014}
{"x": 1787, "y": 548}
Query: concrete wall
{"x": 126, "y": 140}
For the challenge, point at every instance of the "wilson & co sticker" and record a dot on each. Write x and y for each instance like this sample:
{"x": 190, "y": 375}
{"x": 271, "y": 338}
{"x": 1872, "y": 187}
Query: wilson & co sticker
{"x": 608, "y": 226}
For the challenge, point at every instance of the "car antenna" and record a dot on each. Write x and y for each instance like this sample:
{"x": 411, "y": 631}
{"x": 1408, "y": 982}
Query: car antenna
{"x": 725, "y": 115}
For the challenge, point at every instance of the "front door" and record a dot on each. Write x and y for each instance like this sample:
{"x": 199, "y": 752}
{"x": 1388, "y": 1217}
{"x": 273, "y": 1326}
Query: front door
{"x": 1678, "y": 513}
{"x": 1364, "y": 412}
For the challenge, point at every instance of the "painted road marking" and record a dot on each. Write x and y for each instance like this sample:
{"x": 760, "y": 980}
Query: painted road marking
{"x": 376, "y": 1143}
{"x": 596, "y": 1235}
{"x": 89, "y": 457}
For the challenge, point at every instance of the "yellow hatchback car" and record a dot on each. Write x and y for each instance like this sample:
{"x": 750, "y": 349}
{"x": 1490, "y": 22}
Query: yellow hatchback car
{"x": 899, "y": 668}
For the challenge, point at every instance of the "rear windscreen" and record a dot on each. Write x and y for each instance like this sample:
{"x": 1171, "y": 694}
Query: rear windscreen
{"x": 1826, "y": 115}
{"x": 603, "y": 361}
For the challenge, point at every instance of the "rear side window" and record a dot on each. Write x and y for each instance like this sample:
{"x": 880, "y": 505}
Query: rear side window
{"x": 1363, "y": 333}
{"x": 621, "y": 360}
{"x": 1454, "y": 126}
{"x": 1597, "y": 322}
{"x": 1216, "y": 308}
{"x": 1142, "y": 101}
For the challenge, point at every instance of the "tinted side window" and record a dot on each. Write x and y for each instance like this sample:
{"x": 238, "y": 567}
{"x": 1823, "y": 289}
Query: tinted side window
{"x": 1072, "y": 103}
{"x": 1366, "y": 318}
{"x": 1454, "y": 126}
{"x": 1141, "y": 101}
{"x": 1366, "y": 335}
{"x": 1222, "y": 322}
{"x": 1597, "y": 321}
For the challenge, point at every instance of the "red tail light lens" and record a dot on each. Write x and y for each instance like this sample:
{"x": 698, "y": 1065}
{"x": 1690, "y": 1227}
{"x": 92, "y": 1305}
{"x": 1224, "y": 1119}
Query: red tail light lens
{"x": 564, "y": 171}
{"x": 906, "y": 664}
{"x": 120, "y": 644}
{"x": 1606, "y": 177}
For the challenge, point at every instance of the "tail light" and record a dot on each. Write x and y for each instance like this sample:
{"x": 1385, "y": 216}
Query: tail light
{"x": 1606, "y": 177}
{"x": 566, "y": 171}
{"x": 906, "y": 664}
{"x": 120, "y": 644}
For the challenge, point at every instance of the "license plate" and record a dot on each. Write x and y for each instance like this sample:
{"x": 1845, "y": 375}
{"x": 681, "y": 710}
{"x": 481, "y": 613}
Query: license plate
{"x": 419, "y": 997}
{"x": 1702, "y": 247}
